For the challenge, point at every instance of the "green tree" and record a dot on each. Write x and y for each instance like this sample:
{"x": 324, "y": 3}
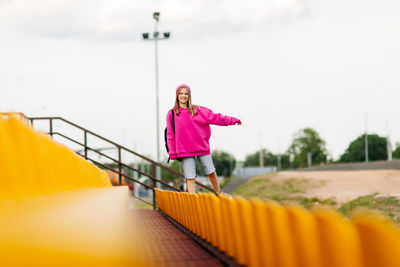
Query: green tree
{"x": 253, "y": 159}
{"x": 306, "y": 141}
{"x": 396, "y": 152}
{"x": 285, "y": 161}
{"x": 170, "y": 177}
{"x": 377, "y": 149}
{"x": 224, "y": 162}
{"x": 270, "y": 159}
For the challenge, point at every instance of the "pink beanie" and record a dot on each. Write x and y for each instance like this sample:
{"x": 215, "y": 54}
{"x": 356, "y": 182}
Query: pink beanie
{"x": 183, "y": 85}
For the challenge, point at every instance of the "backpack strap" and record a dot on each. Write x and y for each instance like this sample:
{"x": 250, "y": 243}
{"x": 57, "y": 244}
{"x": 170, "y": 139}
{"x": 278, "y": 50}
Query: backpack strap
{"x": 173, "y": 121}
{"x": 173, "y": 128}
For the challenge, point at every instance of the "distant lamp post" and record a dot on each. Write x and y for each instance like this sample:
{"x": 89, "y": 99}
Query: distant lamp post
{"x": 279, "y": 160}
{"x": 309, "y": 159}
{"x": 366, "y": 137}
{"x": 388, "y": 144}
{"x": 291, "y": 159}
{"x": 261, "y": 155}
{"x": 155, "y": 38}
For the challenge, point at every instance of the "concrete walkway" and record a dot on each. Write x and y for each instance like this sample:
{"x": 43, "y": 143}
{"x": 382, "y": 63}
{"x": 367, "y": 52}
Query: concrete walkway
{"x": 235, "y": 183}
{"x": 162, "y": 244}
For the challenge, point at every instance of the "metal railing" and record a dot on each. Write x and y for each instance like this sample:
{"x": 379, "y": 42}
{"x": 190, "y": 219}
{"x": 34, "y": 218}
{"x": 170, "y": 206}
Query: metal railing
{"x": 85, "y": 148}
{"x": 19, "y": 115}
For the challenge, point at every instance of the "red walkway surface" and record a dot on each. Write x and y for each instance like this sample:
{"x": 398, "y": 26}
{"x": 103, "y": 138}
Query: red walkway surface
{"x": 162, "y": 244}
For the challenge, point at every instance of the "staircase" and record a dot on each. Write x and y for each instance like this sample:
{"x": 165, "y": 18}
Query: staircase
{"x": 115, "y": 164}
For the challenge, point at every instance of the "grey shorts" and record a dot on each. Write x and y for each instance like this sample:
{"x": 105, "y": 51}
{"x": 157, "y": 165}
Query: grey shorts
{"x": 189, "y": 166}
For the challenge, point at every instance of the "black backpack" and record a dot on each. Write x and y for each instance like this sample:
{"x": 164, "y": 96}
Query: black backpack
{"x": 165, "y": 133}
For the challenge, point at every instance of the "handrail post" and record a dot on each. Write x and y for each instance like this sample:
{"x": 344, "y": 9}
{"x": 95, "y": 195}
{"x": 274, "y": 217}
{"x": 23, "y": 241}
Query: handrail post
{"x": 153, "y": 184}
{"x": 51, "y": 127}
{"x": 85, "y": 143}
{"x": 119, "y": 165}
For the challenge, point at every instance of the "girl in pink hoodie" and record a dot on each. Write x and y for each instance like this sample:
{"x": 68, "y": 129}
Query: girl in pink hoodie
{"x": 191, "y": 136}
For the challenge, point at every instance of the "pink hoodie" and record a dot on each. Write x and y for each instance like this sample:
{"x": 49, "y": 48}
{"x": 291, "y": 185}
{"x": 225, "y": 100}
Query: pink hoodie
{"x": 192, "y": 133}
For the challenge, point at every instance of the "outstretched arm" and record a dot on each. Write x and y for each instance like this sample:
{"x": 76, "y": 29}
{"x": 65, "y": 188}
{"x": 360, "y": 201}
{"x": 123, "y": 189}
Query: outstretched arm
{"x": 219, "y": 119}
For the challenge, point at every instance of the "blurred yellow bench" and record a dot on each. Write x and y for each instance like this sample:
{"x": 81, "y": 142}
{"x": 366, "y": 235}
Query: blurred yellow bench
{"x": 56, "y": 208}
{"x": 255, "y": 233}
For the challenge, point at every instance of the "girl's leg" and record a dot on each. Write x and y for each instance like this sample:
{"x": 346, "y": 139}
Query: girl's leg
{"x": 191, "y": 185}
{"x": 189, "y": 171}
{"x": 214, "y": 181}
{"x": 208, "y": 167}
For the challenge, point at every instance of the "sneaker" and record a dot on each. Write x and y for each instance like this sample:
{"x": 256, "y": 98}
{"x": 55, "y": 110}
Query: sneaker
{"x": 224, "y": 195}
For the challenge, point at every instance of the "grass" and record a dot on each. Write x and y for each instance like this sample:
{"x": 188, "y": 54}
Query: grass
{"x": 142, "y": 205}
{"x": 225, "y": 182}
{"x": 292, "y": 190}
{"x": 310, "y": 202}
{"x": 267, "y": 187}
{"x": 388, "y": 205}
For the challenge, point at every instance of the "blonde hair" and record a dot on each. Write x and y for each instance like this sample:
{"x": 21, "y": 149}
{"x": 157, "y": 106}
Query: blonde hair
{"x": 191, "y": 108}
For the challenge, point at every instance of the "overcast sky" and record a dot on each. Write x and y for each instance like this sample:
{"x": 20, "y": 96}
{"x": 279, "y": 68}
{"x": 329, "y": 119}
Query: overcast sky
{"x": 278, "y": 65}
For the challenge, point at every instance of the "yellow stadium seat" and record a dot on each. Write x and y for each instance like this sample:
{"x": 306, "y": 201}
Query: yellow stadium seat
{"x": 247, "y": 222}
{"x": 305, "y": 237}
{"x": 339, "y": 240}
{"x": 263, "y": 242}
{"x": 238, "y": 239}
{"x": 380, "y": 239}
{"x": 281, "y": 237}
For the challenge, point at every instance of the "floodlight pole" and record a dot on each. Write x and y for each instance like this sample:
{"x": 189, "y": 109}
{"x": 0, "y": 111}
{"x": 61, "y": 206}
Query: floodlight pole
{"x": 156, "y": 37}
{"x": 388, "y": 144}
{"x": 261, "y": 155}
{"x": 366, "y": 136}
{"x": 158, "y": 174}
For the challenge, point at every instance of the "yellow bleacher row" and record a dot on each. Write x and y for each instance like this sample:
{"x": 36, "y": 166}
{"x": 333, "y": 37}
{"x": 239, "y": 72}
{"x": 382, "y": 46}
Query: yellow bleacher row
{"x": 31, "y": 163}
{"x": 56, "y": 208}
{"x": 257, "y": 233}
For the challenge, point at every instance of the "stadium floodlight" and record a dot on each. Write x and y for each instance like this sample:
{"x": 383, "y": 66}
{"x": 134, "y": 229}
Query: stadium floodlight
{"x": 157, "y": 36}
{"x": 156, "y": 15}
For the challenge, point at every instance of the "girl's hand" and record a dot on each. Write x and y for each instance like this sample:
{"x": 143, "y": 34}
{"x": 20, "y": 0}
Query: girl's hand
{"x": 239, "y": 123}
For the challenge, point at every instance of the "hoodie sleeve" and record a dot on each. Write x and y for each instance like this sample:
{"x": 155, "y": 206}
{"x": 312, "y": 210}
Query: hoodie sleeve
{"x": 170, "y": 137}
{"x": 219, "y": 119}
